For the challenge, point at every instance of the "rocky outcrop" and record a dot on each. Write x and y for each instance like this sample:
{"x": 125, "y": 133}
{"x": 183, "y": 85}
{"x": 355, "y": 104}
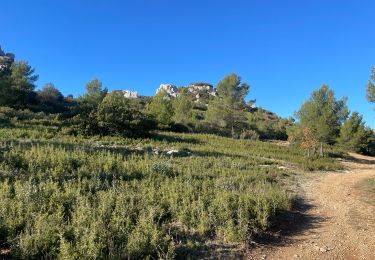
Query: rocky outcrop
{"x": 130, "y": 94}
{"x": 197, "y": 89}
{"x": 170, "y": 89}
{"x": 202, "y": 88}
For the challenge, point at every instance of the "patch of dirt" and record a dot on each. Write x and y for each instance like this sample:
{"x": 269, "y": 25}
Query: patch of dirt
{"x": 333, "y": 219}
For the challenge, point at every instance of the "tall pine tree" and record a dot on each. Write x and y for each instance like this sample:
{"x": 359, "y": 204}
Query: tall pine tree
{"x": 323, "y": 114}
{"x": 228, "y": 110}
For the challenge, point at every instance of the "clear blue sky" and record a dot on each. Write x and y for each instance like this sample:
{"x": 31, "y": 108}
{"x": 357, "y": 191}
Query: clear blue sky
{"x": 283, "y": 49}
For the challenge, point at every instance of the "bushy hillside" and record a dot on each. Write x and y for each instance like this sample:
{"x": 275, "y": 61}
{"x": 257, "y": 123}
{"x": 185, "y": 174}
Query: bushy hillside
{"x": 73, "y": 197}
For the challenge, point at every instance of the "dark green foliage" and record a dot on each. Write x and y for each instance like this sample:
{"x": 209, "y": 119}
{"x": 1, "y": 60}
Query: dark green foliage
{"x": 183, "y": 109}
{"x": 117, "y": 115}
{"x": 268, "y": 125}
{"x": 228, "y": 110}
{"x": 9, "y": 114}
{"x": 353, "y": 134}
{"x": 161, "y": 109}
{"x": 51, "y": 100}
{"x": 323, "y": 114}
{"x": 6, "y": 61}
{"x": 17, "y": 86}
{"x": 232, "y": 91}
{"x": 85, "y": 121}
{"x": 94, "y": 95}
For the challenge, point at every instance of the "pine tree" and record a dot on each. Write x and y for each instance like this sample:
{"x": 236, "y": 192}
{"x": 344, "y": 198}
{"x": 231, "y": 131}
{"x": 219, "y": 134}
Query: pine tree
{"x": 323, "y": 114}
{"x": 17, "y": 86}
{"x": 86, "y": 119}
{"x": 183, "y": 107}
{"x": 353, "y": 134}
{"x": 228, "y": 110}
{"x": 50, "y": 99}
{"x": 161, "y": 109}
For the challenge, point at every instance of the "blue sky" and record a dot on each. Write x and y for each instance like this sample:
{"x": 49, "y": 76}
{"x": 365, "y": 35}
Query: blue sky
{"x": 283, "y": 49}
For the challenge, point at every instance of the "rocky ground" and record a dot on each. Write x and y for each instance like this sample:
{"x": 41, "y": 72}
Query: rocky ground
{"x": 334, "y": 219}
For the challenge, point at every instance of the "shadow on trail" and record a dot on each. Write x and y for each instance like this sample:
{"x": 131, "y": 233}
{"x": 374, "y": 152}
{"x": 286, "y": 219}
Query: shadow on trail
{"x": 358, "y": 160}
{"x": 288, "y": 225}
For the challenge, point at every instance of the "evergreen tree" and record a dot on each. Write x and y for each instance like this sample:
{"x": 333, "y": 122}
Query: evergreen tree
{"x": 353, "y": 134}
{"x": 118, "y": 115}
{"x": 94, "y": 95}
{"x": 6, "y": 61}
{"x": 17, "y": 85}
{"x": 161, "y": 109}
{"x": 232, "y": 92}
{"x": 183, "y": 107}
{"x": 323, "y": 114}
{"x": 86, "y": 119}
{"x": 228, "y": 110}
{"x": 51, "y": 100}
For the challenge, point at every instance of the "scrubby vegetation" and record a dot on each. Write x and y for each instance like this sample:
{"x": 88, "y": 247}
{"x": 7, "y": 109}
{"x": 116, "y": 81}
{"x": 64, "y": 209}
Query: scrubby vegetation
{"x": 105, "y": 176}
{"x": 72, "y": 197}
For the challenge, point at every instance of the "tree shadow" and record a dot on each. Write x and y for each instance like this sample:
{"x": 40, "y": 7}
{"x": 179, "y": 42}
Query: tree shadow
{"x": 358, "y": 160}
{"x": 191, "y": 245}
{"x": 290, "y": 224}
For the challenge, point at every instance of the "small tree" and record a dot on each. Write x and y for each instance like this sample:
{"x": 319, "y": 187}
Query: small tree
{"x": 161, "y": 109}
{"x": 50, "y": 99}
{"x": 85, "y": 120}
{"x": 183, "y": 107}
{"x": 309, "y": 141}
{"x": 323, "y": 114}
{"x": 228, "y": 110}
{"x": 18, "y": 87}
{"x": 353, "y": 134}
{"x": 94, "y": 95}
{"x": 118, "y": 115}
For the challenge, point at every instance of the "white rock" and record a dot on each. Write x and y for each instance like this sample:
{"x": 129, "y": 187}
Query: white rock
{"x": 171, "y": 90}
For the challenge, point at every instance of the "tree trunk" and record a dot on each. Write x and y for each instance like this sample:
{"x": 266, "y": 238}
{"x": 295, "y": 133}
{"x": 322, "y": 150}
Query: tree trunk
{"x": 321, "y": 149}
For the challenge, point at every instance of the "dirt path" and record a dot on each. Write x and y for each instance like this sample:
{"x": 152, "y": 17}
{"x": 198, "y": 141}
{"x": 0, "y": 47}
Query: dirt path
{"x": 336, "y": 221}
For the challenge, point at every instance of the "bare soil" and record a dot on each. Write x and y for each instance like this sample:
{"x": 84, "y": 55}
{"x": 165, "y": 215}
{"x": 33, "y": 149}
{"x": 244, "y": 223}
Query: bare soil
{"x": 334, "y": 218}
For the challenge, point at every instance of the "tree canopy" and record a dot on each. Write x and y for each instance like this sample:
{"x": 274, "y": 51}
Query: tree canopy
{"x": 118, "y": 115}
{"x": 323, "y": 114}
{"x": 17, "y": 85}
{"x": 228, "y": 110}
{"x": 182, "y": 107}
{"x": 50, "y": 99}
{"x": 353, "y": 133}
{"x": 161, "y": 109}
